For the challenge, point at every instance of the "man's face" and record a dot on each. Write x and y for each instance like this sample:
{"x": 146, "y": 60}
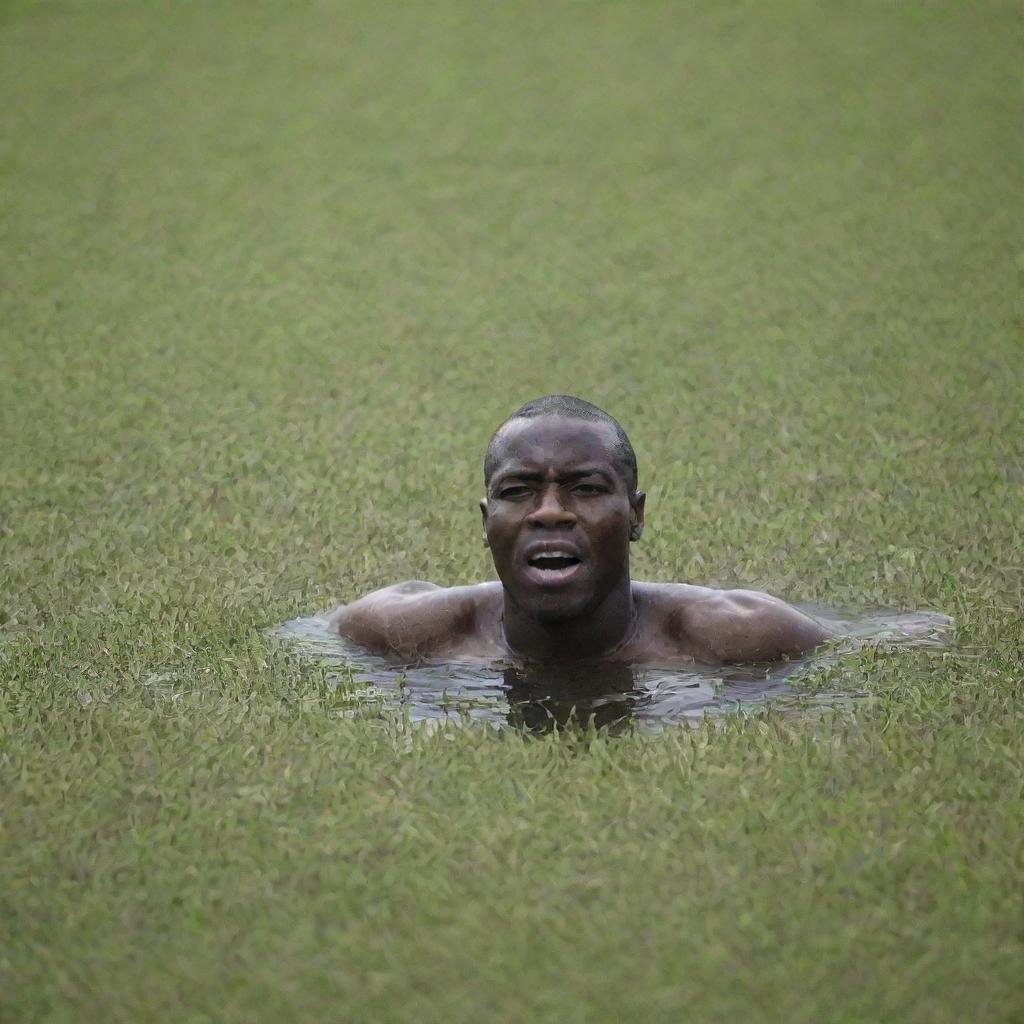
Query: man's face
{"x": 559, "y": 517}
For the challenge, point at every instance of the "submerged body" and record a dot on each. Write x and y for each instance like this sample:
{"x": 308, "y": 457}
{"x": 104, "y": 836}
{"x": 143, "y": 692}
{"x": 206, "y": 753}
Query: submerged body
{"x": 561, "y": 511}
{"x": 672, "y": 623}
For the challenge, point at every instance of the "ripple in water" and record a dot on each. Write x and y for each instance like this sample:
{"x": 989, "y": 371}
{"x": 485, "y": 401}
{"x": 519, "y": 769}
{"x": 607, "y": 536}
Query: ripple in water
{"x": 539, "y": 698}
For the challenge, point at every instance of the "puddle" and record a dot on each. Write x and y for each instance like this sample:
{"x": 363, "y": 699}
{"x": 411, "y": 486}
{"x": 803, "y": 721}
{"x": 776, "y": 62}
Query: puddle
{"x": 539, "y": 698}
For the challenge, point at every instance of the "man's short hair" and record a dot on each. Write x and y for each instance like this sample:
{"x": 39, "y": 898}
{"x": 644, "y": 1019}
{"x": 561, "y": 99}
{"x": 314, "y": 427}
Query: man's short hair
{"x": 572, "y": 408}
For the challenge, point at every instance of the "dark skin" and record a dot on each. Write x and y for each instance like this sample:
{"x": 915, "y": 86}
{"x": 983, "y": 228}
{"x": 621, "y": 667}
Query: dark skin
{"x": 559, "y": 518}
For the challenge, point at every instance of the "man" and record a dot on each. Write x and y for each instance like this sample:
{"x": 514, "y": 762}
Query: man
{"x": 561, "y": 511}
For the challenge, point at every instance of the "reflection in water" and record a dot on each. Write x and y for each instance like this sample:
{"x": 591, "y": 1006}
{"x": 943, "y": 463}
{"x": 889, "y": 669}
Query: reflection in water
{"x": 542, "y": 698}
{"x": 539, "y": 698}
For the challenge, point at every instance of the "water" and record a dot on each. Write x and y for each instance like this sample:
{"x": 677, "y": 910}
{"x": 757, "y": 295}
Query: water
{"x": 539, "y": 698}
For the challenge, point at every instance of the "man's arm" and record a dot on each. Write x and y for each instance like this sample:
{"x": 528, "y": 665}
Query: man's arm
{"x": 745, "y": 625}
{"x": 413, "y": 619}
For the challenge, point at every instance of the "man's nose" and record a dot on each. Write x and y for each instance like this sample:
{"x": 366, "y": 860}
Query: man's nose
{"x": 551, "y": 512}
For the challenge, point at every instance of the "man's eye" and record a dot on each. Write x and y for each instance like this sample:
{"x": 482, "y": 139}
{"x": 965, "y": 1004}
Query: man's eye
{"x": 511, "y": 493}
{"x": 587, "y": 489}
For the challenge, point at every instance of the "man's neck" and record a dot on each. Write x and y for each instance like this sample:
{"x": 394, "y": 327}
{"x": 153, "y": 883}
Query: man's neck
{"x": 597, "y": 634}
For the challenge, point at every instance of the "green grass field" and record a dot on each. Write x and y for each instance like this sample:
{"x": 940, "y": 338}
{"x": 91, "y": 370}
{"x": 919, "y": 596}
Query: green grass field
{"x": 269, "y": 275}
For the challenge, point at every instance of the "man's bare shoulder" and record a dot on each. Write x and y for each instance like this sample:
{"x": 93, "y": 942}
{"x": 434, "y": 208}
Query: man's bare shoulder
{"x": 417, "y": 619}
{"x": 732, "y": 625}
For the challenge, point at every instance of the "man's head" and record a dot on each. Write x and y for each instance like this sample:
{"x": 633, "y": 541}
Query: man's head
{"x": 561, "y": 508}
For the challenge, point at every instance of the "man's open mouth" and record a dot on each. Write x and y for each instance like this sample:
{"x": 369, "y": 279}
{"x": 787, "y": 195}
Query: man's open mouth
{"x": 552, "y": 564}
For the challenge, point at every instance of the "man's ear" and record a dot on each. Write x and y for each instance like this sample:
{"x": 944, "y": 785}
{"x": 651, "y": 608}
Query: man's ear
{"x": 636, "y": 515}
{"x": 483, "y": 516}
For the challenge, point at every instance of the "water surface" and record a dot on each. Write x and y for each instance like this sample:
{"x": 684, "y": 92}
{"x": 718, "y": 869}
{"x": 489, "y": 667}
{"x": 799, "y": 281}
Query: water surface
{"x": 538, "y": 698}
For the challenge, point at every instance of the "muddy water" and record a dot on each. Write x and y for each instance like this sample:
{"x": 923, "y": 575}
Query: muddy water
{"x": 540, "y": 698}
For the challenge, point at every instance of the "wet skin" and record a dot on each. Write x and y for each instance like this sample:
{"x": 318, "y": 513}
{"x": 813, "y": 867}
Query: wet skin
{"x": 559, "y": 518}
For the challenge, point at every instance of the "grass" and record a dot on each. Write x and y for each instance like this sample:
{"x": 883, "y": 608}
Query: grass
{"x": 271, "y": 274}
